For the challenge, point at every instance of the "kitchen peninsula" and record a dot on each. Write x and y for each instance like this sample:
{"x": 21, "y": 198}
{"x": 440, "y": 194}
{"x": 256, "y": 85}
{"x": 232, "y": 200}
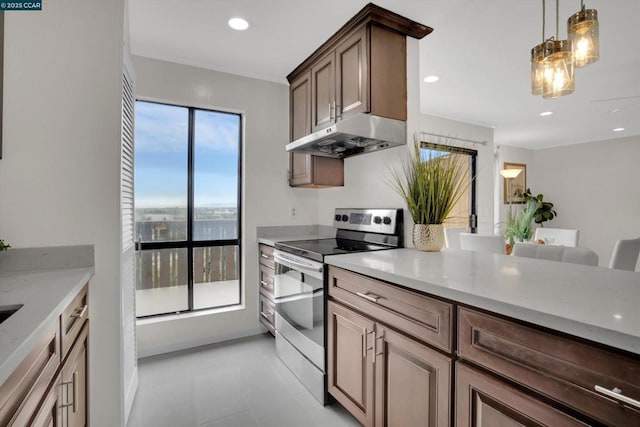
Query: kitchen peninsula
{"x": 506, "y": 338}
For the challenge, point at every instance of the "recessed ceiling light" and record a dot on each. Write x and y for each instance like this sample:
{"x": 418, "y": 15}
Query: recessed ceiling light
{"x": 618, "y": 129}
{"x": 239, "y": 24}
{"x": 431, "y": 79}
{"x": 617, "y": 316}
{"x": 546, "y": 113}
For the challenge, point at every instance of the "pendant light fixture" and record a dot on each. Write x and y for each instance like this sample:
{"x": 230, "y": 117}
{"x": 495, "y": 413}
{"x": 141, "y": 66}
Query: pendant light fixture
{"x": 558, "y": 73}
{"x": 583, "y": 32}
{"x": 537, "y": 63}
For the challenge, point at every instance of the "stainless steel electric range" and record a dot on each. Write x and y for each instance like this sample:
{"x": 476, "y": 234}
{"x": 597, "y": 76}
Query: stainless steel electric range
{"x": 300, "y": 287}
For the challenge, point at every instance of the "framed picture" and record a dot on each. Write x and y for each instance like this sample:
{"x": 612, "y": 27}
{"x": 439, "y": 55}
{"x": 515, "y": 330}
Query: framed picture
{"x": 514, "y": 188}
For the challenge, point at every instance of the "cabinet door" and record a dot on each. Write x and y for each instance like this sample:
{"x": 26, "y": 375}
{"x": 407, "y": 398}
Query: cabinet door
{"x": 301, "y": 167}
{"x": 352, "y": 75}
{"x": 350, "y": 359}
{"x": 323, "y": 93}
{"x": 300, "y": 106}
{"x": 74, "y": 383}
{"x": 482, "y": 400}
{"x": 413, "y": 382}
{"x": 49, "y": 413}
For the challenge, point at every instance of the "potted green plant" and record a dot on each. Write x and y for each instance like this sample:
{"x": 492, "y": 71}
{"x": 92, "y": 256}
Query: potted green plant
{"x": 430, "y": 187}
{"x": 4, "y": 246}
{"x": 544, "y": 211}
{"x": 519, "y": 225}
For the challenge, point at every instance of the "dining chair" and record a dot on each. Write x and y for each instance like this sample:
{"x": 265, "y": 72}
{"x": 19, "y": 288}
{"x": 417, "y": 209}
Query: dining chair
{"x": 556, "y": 253}
{"x": 452, "y": 237}
{"x": 557, "y": 236}
{"x": 625, "y": 254}
{"x": 482, "y": 243}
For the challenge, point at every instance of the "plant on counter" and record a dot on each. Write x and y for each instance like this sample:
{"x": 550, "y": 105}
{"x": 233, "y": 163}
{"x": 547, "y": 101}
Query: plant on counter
{"x": 544, "y": 211}
{"x": 519, "y": 225}
{"x": 430, "y": 186}
{"x": 4, "y": 246}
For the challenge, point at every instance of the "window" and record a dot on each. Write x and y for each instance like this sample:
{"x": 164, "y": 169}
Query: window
{"x": 464, "y": 213}
{"x": 187, "y": 206}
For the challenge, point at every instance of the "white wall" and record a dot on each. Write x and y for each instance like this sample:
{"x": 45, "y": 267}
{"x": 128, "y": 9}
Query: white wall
{"x": 267, "y": 199}
{"x": 59, "y": 176}
{"x": 366, "y": 176}
{"x": 508, "y": 154}
{"x": 594, "y": 188}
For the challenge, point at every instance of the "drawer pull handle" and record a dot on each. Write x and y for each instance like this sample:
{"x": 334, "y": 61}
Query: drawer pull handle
{"x": 616, "y": 394}
{"x": 267, "y": 315}
{"x": 265, "y": 256}
{"x": 369, "y": 297}
{"x": 264, "y": 284}
{"x": 80, "y": 312}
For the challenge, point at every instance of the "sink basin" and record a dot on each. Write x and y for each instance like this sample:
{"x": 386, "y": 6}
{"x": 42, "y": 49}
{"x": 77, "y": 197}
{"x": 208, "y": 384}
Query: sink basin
{"x": 7, "y": 310}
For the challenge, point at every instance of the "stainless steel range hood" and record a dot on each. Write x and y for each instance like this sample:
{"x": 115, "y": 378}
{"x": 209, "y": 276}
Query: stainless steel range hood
{"x": 358, "y": 134}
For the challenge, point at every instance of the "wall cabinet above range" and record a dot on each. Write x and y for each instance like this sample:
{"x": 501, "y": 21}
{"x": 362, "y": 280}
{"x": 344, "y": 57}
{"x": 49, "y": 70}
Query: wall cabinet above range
{"x": 361, "y": 69}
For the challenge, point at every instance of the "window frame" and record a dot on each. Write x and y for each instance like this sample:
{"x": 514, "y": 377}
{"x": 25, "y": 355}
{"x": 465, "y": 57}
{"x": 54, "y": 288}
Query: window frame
{"x": 472, "y": 225}
{"x": 190, "y": 243}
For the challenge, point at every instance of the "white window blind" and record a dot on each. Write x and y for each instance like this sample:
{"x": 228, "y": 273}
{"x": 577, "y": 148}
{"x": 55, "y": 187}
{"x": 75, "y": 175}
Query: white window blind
{"x": 126, "y": 174}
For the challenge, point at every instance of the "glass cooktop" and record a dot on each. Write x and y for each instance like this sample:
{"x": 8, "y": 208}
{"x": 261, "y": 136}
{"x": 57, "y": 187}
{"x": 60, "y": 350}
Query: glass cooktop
{"x": 317, "y": 249}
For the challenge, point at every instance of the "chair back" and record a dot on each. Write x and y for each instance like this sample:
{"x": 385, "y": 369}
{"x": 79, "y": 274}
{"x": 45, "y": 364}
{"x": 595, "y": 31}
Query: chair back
{"x": 452, "y": 237}
{"x": 625, "y": 254}
{"x": 482, "y": 243}
{"x": 557, "y": 236}
{"x": 556, "y": 253}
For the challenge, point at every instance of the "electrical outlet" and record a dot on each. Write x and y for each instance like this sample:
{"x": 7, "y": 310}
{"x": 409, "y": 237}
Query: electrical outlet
{"x": 292, "y": 213}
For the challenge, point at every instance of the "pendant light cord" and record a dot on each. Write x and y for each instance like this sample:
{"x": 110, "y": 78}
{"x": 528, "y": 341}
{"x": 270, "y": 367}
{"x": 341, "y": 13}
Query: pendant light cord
{"x": 543, "y": 19}
{"x": 557, "y": 19}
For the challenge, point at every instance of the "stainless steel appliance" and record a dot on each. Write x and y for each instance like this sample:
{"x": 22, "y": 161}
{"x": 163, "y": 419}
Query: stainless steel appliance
{"x": 300, "y": 287}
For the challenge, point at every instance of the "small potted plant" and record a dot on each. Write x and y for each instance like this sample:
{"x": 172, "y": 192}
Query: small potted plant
{"x": 544, "y": 211}
{"x": 430, "y": 187}
{"x": 4, "y": 246}
{"x": 519, "y": 225}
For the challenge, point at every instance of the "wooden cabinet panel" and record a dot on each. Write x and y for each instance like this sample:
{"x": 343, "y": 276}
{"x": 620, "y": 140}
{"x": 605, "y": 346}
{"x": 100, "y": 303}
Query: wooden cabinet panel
{"x": 482, "y": 400}
{"x": 352, "y": 75}
{"x": 266, "y": 256}
{"x": 425, "y": 318}
{"x": 412, "y": 382}
{"x": 49, "y": 413}
{"x": 350, "y": 361}
{"x": 73, "y": 318}
{"x": 74, "y": 383}
{"x": 561, "y": 368}
{"x": 388, "y": 76}
{"x": 267, "y": 313}
{"x": 266, "y": 281}
{"x": 300, "y": 106}
{"x": 22, "y": 392}
{"x": 323, "y": 93}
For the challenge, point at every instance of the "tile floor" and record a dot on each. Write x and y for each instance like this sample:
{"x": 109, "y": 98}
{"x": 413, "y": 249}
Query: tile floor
{"x": 238, "y": 383}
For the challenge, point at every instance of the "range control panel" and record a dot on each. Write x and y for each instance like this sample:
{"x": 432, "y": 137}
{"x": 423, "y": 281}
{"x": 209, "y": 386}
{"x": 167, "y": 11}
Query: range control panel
{"x": 368, "y": 220}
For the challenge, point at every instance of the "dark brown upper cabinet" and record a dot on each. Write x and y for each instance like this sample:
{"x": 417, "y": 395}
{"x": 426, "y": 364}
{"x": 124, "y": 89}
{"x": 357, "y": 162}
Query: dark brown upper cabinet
{"x": 360, "y": 69}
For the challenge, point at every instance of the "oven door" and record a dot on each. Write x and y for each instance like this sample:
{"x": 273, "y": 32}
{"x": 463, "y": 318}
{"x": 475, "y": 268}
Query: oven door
{"x": 298, "y": 290}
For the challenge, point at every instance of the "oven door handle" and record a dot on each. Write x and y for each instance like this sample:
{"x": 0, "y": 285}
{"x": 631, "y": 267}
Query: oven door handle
{"x": 291, "y": 263}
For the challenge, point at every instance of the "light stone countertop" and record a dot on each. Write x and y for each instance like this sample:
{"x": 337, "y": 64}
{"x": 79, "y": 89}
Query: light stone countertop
{"x": 56, "y": 277}
{"x": 595, "y": 303}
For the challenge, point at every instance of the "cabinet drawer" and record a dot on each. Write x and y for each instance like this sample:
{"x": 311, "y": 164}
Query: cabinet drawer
{"x": 73, "y": 318}
{"x": 561, "y": 368}
{"x": 425, "y": 318}
{"x": 22, "y": 392}
{"x": 482, "y": 400}
{"x": 267, "y": 313}
{"x": 266, "y": 281}
{"x": 266, "y": 256}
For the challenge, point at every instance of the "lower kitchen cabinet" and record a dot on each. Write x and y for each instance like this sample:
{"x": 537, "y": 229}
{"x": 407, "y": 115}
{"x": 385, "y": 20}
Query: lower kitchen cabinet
{"x": 413, "y": 382}
{"x": 49, "y": 414}
{"x": 482, "y": 400}
{"x": 74, "y": 383}
{"x": 266, "y": 275}
{"x": 383, "y": 377}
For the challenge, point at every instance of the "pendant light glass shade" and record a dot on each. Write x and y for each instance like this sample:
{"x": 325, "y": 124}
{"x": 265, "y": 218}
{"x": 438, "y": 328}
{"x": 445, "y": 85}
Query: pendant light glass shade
{"x": 537, "y": 68}
{"x": 583, "y": 32}
{"x": 558, "y": 73}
